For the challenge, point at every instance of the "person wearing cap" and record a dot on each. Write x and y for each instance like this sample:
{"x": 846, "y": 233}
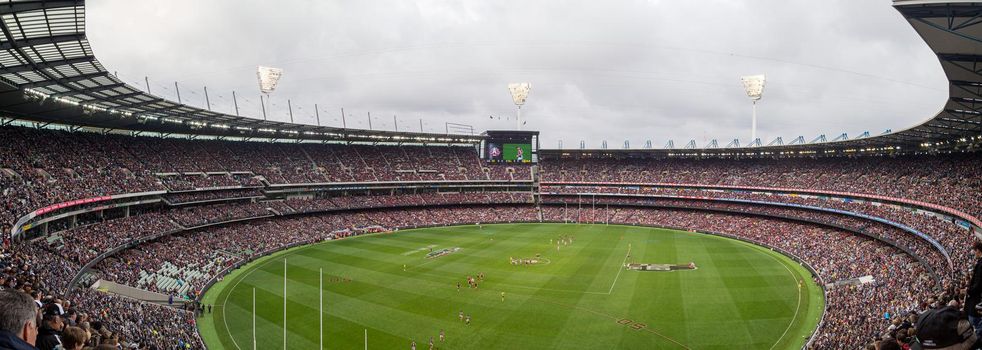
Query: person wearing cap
{"x": 49, "y": 336}
{"x": 974, "y": 294}
{"x": 945, "y": 329}
{"x": 18, "y": 321}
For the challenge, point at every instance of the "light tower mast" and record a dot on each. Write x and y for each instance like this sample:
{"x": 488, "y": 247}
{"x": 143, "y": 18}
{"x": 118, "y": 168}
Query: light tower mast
{"x": 754, "y": 85}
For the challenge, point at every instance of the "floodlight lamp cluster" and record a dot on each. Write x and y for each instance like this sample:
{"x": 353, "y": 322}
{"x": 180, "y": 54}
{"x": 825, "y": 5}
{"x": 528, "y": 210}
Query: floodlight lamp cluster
{"x": 519, "y": 92}
{"x": 268, "y": 78}
{"x": 754, "y": 85}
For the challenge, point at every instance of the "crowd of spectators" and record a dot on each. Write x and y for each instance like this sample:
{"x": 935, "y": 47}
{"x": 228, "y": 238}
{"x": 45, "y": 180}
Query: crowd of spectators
{"x": 208, "y": 196}
{"x": 361, "y": 200}
{"x": 44, "y": 167}
{"x": 81, "y": 244}
{"x": 106, "y": 318}
{"x": 197, "y": 181}
{"x": 946, "y": 179}
{"x": 39, "y": 168}
{"x": 215, "y": 213}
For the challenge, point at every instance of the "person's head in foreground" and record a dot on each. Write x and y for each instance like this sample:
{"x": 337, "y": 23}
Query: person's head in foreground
{"x": 18, "y": 320}
{"x": 946, "y": 329}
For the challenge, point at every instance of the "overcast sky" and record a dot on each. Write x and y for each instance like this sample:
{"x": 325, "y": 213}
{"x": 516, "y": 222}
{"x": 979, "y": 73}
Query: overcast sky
{"x": 600, "y": 70}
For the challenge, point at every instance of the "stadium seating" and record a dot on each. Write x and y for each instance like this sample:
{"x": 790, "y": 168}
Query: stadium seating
{"x": 205, "y": 184}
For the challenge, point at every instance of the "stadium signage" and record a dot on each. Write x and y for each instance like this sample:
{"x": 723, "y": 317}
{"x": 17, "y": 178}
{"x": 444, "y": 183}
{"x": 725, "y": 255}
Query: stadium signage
{"x": 73, "y": 203}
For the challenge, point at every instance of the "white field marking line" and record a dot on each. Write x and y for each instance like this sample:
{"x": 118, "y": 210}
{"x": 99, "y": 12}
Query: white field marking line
{"x": 549, "y": 289}
{"x": 797, "y": 307}
{"x": 619, "y": 269}
{"x": 419, "y": 250}
{"x": 224, "y": 316}
{"x": 420, "y": 264}
{"x": 225, "y": 319}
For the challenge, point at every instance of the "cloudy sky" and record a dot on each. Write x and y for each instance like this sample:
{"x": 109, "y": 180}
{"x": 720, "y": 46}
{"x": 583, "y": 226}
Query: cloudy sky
{"x": 600, "y": 70}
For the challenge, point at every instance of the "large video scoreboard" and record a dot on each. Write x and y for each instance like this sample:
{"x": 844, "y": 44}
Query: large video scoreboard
{"x": 510, "y": 147}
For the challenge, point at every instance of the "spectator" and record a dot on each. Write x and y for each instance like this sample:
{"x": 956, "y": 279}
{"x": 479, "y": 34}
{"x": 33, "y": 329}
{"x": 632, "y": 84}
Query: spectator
{"x": 974, "y": 293}
{"x": 49, "y": 335}
{"x": 945, "y": 328}
{"x": 74, "y": 338}
{"x": 18, "y": 321}
{"x": 888, "y": 344}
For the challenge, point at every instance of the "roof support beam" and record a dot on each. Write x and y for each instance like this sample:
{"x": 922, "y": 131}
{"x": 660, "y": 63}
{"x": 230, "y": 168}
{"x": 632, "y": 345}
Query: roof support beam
{"x": 959, "y": 120}
{"x": 46, "y": 65}
{"x": 144, "y": 103}
{"x": 102, "y": 88}
{"x": 24, "y": 6}
{"x": 119, "y": 97}
{"x": 7, "y": 45}
{"x": 66, "y": 80}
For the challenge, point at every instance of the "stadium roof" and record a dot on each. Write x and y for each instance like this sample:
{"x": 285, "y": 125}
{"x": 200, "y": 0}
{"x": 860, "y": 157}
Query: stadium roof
{"x": 49, "y": 74}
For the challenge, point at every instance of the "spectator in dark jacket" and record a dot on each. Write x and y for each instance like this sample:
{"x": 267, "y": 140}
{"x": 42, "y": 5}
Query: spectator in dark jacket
{"x": 18, "y": 321}
{"x": 974, "y": 296}
{"x": 49, "y": 336}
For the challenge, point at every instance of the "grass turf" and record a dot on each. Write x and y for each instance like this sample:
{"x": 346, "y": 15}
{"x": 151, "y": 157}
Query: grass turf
{"x": 741, "y": 295}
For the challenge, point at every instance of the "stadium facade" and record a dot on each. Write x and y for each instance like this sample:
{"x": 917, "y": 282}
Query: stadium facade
{"x": 94, "y": 169}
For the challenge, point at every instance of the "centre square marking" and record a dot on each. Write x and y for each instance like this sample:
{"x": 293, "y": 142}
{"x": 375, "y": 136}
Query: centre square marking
{"x": 633, "y": 324}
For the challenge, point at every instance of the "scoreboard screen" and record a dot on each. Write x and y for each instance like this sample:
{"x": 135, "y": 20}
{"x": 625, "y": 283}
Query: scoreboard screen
{"x": 510, "y": 147}
{"x": 509, "y": 152}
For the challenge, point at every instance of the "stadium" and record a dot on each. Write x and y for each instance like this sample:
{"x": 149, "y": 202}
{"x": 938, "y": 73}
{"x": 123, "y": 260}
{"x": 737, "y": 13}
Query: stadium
{"x": 133, "y": 220}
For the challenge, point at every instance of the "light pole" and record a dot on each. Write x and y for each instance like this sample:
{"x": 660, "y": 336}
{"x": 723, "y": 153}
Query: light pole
{"x": 519, "y": 92}
{"x": 268, "y": 78}
{"x": 754, "y": 85}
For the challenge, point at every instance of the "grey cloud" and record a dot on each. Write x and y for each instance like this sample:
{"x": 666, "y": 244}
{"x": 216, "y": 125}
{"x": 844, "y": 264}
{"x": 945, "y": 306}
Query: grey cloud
{"x": 613, "y": 70}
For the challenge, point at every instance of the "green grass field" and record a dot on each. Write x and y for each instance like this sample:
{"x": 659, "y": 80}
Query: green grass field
{"x": 741, "y": 296}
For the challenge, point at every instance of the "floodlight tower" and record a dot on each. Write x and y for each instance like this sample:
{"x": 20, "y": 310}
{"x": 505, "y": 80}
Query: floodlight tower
{"x": 519, "y": 92}
{"x": 754, "y": 85}
{"x": 268, "y": 78}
